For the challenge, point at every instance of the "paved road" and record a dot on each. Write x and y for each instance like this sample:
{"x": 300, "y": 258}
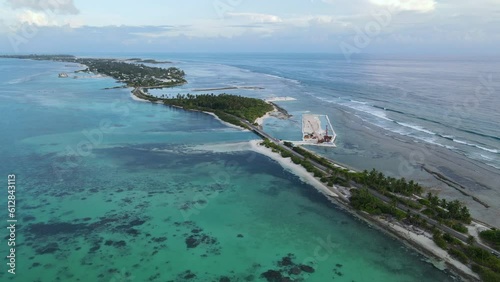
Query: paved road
{"x": 385, "y": 199}
{"x": 278, "y": 143}
{"x": 435, "y": 223}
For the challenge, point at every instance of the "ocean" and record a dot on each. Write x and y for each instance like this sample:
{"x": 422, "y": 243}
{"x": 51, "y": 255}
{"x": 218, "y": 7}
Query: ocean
{"x": 111, "y": 189}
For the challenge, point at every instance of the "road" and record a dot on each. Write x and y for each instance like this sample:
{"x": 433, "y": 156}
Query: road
{"x": 383, "y": 198}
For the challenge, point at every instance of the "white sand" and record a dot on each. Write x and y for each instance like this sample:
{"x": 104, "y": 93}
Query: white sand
{"x": 225, "y": 123}
{"x": 425, "y": 240}
{"x": 298, "y": 170}
{"x": 135, "y": 98}
{"x": 475, "y": 228}
{"x": 260, "y": 120}
{"x": 421, "y": 238}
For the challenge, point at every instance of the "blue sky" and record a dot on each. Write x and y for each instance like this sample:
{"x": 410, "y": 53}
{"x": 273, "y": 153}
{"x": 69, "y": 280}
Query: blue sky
{"x": 334, "y": 26}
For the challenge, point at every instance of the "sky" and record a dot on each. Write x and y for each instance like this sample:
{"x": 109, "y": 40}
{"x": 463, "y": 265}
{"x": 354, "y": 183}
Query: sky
{"x": 332, "y": 26}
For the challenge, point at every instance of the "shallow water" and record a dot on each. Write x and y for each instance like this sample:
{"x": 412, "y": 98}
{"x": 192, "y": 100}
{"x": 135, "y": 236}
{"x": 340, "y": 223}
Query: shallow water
{"x": 394, "y": 114}
{"x": 135, "y": 201}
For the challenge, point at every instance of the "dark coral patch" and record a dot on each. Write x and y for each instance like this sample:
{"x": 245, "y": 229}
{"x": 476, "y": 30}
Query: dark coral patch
{"x": 306, "y": 268}
{"x": 159, "y": 239}
{"x": 192, "y": 242}
{"x": 274, "y": 276}
{"x": 285, "y": 261}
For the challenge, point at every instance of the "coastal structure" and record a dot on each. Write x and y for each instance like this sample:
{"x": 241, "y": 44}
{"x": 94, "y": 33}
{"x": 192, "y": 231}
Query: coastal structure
{"x": 317, "y": 130}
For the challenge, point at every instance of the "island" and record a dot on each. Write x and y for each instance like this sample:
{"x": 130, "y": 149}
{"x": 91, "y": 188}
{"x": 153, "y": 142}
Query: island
{"x": 397, "y": 206}
{"x": 148, "y": 61}
{"x": 131, "y": 74}
{"x": 233, "y": 109}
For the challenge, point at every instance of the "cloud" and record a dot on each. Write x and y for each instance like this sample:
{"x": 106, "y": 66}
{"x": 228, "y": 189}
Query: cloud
{"x": 56, "y": 6}
{"x": 423, "y": 6}
{"x": 255, "y": 17}
{"x": 34, "y": 18}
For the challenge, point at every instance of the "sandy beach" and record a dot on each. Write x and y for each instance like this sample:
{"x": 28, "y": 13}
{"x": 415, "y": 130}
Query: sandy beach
{"x": 135, "y": 98}
{"x": 424, "y": 243}
{"x": 260, "y": 121}
{"x": 416, "y": 238}
{"x": 225, "y": 123}
{"x": 298, "y": 170}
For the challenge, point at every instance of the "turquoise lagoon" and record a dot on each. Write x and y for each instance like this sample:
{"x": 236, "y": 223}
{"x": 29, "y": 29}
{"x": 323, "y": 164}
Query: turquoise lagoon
{"x": 111, "y": 189}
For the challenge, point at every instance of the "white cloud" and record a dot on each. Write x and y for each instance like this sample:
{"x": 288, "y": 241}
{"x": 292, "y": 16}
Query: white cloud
{"x": 255, "y": 17}
{"x": 408, "y": 5}
{"x": 34, "y": 18}
{"x": 57, "y": 6}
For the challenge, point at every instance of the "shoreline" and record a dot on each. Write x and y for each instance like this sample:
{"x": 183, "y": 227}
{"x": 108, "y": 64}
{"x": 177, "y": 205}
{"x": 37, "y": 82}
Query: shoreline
{"x": 221, "y": 121}
{"x": 277, "y": 112}
{"x": 411, "y": 237}
{"x": 138, "y": 99}
{"x": 260, "y": 120}
{"x": 296, "y": 169}
{"x": 408, "y": 235}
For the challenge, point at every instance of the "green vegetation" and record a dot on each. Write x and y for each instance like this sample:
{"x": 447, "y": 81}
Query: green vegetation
{"x": 337, "y": 175}
{"x": 229, "y": 108}
{"x": 400, "y": 191}
{"x": 148, "y": 61}
{"x": 439, "y": 240}
{"x": 459, "y": 255}
{"x": 451, "y": 213}
{"x": 487, "y": 275}
{"x": 133, "y": 75}
{"x": 492, "y": 237}
{"x": 407, "y": 193}
{"x": 484, "y": 258}
{"x": 304, "y": 162}
{"x": 378, "y": 181}
{"x": 442, "y": 209}
{"x": 246, "y": 108}
{"x": 363, "y": 200}
{"x": 485, "y": 264}
{"x": 55, "y": 57}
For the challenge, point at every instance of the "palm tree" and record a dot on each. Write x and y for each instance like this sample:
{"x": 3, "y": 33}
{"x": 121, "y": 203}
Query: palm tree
{"x": 443, "y": 203}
